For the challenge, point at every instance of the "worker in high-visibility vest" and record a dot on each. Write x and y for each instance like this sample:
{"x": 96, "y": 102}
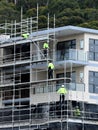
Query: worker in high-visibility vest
{"x": 62, "y": 91}
{"x": 77, "y": 111}
{"x": 45, "y": 49}
{"x": 25, "y": 35}
{"x": 50, "y": 70}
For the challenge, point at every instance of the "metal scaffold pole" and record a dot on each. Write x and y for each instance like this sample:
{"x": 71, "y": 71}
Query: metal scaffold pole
{"x": 47, "y": 84}
{"x": 13, "y": 102}
{"x": 21, "y": 18}
{"x": 31, "y": 70}
{"x": 54, "y": 42}
{"x": 37, "y": 16}
{"x": 83, "y": 109}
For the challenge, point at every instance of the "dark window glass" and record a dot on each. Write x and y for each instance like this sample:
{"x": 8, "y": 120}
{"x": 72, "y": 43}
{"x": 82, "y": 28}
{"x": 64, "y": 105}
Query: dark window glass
{"x": 93, "y": 82}
{"x": 73, "y": 76}
{"x": 68, "y": 76}
{"x": 96, "y": 74}
{"x": 73, "y": 44}
{"x": 96, "y": 56}
{"x": 96, "y": 42}
{"x": 63, "y": 47}
{"x": 91, "y": 88}
{"x": 66, "y": 45}
{"x": 93, "y": 49}
{"x": 60, "y": 76}
{"x": 91, "y": 41}
{"x": 91, "y": 73}
{"x": 96, "y": 89}
{"x": 96, "y": 48}
{"x": 91, "y": 55}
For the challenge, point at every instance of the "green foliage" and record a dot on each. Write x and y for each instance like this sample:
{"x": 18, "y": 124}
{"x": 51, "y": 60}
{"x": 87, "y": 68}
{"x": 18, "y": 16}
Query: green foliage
{"x": 43, "y": 10}
{"x": 8, "y": 11}
{"x": 91, "y": 24}
{"x": 42, "y": 21}
{"x": 68, "y": 12}
{"x": 58, "y": 6}
{"x": 31, "y": 12}
{"x": 75, "y": 20}
{"x": 90, "y": 14}
{"x": 62, "y": 21}
{"x": 26, "y": 4}
{"x": 88, "y": 4}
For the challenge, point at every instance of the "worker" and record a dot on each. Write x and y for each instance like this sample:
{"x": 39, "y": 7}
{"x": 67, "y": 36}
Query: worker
{"x": 62, "y": 91}
{"x": 77, "y": 111}
{"x": 50, "y": 70}
{"x": 25, "y": 35}
{"x": 45, "y": 49}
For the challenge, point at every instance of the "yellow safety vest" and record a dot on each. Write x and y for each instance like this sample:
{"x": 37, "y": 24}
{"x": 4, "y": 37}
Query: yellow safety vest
{"x": 77, "y": 112}
{"x": 62, "y": 91}
{"x": 51, "y": 65}
{"x": 45, "y": 46}
{"x": 25, "y": 35}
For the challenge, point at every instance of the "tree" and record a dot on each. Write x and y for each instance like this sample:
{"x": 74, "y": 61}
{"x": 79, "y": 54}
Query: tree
{"x": 90, "y": 14}
{"x": 8, "y": 11}
{"x": 75, "y": 20}
{"x": 31, "y": 12}
{"x": 42, "y": 21}
{"x": 91, "y": 24}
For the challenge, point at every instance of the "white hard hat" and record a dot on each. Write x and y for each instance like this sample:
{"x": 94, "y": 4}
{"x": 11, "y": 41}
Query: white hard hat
{"x": 27, "y": 33}
{"x": 62, "y": 85}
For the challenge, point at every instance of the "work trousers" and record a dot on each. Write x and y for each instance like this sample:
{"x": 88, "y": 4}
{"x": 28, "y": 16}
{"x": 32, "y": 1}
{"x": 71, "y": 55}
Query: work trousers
{"x": 50, "y": 73}
{"x": 62, "y": 98}
{"x": 45, "y": 51}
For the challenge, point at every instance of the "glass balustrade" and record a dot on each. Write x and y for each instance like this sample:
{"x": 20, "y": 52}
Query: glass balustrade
{"x": 72, "y": 54}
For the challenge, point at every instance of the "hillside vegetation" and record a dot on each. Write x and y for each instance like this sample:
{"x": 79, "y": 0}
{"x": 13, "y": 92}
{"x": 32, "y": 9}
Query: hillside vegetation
{"x": 82, "y": 13}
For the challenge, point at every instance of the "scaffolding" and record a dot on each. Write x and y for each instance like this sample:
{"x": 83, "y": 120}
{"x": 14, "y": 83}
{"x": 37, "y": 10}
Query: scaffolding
{"x": 28, "y": 99}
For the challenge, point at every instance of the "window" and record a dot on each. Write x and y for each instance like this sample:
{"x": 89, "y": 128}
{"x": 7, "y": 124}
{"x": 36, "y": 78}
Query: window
{"x": 71, "y": 44}
{"x": 93, "y": 82}
{"x": 63, "y": 47}
{"x": 93, "y": 49}
{"x": 68, "y": 76}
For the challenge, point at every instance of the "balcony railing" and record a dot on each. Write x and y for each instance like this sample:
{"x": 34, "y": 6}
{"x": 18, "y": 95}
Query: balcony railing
{"x": 72, "y": 54}
{"x": 53, "y": 88}
{"x": 16, "y": 57}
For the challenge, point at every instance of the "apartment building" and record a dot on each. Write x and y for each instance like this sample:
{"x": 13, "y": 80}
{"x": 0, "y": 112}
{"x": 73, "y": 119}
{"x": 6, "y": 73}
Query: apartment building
{"x": 28, "y": 98}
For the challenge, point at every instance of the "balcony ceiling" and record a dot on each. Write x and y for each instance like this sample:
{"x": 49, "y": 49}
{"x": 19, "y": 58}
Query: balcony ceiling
{"x": 71, "y": 30}
{"x": 68, "y": 32}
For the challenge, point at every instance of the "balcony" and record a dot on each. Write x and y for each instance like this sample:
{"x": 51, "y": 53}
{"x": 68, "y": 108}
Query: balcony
{"x": 72, "y": 54}
{"x": 43, "y": 93}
